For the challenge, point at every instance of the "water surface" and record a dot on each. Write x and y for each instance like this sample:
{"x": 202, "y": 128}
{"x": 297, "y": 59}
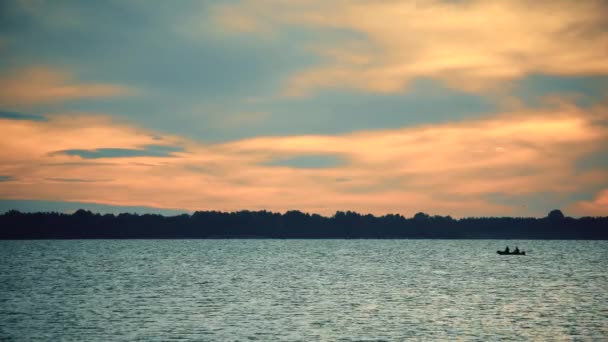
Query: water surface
{"x": 302, "y": 290}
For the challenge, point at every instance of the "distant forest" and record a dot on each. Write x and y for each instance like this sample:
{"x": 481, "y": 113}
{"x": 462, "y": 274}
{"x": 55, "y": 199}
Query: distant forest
{"x": 294, "y": 225}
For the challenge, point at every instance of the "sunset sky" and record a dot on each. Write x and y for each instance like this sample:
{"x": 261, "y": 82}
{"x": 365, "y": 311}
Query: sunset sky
{"x": 462, "y": 108}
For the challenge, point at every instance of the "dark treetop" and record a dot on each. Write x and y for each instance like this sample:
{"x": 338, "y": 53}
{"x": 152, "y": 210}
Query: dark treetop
{"x": 293, "y": 224}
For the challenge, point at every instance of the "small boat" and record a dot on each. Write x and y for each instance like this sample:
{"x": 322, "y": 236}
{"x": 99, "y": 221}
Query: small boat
{"x": 511, "y": 253}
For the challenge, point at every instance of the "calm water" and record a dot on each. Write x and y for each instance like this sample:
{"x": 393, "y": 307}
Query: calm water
{"x": 227, "y": 290}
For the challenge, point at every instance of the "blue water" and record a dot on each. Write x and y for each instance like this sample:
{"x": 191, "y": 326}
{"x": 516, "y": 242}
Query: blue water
{"x": 302, "y": 290}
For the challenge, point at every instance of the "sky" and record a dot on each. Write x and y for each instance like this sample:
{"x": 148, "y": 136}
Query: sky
{"x": 453, "y": 107}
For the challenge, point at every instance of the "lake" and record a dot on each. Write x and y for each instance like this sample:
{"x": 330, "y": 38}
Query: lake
{"x": 302, "y": 290}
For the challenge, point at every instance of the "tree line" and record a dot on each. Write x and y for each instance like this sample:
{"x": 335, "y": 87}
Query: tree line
{"x": 293, "y": 224}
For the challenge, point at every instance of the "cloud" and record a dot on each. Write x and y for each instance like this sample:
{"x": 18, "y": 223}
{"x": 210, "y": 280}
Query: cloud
{"x": 475, "y": 156}
{"x": 307, "y": 161}
{"x": 76, "y": 180}
{"x": 470, "y": 45}
{"x": 26, "y": 142}
{"x": 21, "y": 116}
{"x": 71, "y": 207}
{"x": 145, "y": 151}
{"x": 449, "y": 168}
{"x": 595, "y": 207}
{"x": 42, "y": 85}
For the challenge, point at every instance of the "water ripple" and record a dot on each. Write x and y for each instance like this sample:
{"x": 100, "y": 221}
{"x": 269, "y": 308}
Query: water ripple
{"x": 336, "y": 290}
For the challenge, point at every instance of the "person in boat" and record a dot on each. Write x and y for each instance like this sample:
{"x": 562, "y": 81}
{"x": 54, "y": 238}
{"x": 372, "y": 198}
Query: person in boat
{"x": 507, "y": 249}
{"x": 516, "y": 250}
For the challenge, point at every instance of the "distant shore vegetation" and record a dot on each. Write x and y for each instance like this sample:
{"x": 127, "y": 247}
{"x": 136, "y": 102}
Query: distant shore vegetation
{"x": 293, "y": 224}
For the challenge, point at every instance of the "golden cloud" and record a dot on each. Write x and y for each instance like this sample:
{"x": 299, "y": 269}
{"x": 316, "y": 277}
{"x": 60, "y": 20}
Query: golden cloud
{"x": 442, "y": 168}
{"x": 595, "y": 207}
{"x": 470, "y": 45}
{"x": 41, "y": 85}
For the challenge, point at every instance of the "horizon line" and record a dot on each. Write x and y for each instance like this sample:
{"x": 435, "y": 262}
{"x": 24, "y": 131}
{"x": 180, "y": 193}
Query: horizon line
{"x": 423, "y": 214}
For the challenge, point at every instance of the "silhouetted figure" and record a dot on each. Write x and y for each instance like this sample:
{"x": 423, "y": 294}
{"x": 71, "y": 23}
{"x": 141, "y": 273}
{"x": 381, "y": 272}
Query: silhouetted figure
{"x": 507, "y": 249}
{"x": 516, "y": 250}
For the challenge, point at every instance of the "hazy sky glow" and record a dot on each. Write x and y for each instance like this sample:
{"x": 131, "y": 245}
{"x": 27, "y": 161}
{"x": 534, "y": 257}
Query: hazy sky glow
{"x": 462, "y": 108}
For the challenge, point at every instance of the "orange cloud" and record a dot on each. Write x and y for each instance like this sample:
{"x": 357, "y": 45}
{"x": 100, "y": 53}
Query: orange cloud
{"x": 470, "y": 45}
{"x": 40, "y": 85}
{"x": 442, "y": 168}
{"x": 596, "y": 207}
